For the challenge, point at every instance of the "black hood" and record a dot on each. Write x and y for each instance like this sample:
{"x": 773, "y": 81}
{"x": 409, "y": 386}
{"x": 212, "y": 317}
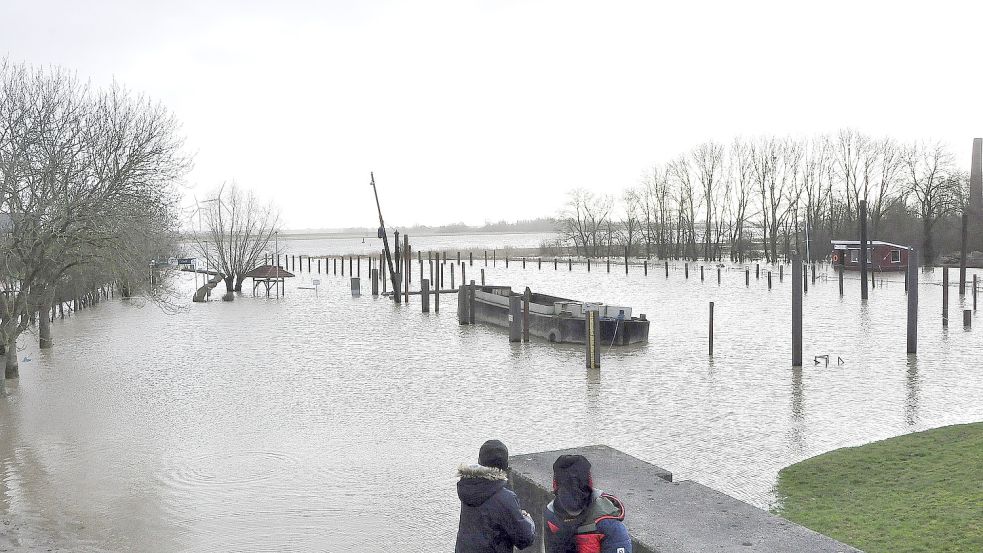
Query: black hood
{"x": 478, "y": 483}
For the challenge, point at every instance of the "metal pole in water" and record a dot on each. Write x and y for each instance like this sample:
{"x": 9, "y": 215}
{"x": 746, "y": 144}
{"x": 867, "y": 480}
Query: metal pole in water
{"x": 945, "y": 296}
{"x": 686, "y": 270}
{"x": 747, "y": 277}
{"x": 701, "y": 273}
{"x": 667, "y": 268}
{"x": 967, "y": 318}
{"x": 718, "y": 276}
{"x": 592, "y": 339}
{"x": 711, "y": 329}
{"x": 425, "y": 295}
{"x": 796, "y": 310}
{"x": 805, "y": 278}
{"x": 962, "y": 257}
{"x": 515, "y": 318}
{"x": 436, "y": 299}
{"x": 645, "y": 267}
{"x": 626, "y": 260}
{"x": 375, "y": 281}
{"x": 912, "y": 301}
{"x": 769, "y": 280}
{"x": 863, "y": 250}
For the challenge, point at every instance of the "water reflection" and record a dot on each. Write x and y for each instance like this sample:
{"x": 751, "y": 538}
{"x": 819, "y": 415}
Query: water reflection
{"x": 912, "y": 385}
{"x": 797, "y": 414}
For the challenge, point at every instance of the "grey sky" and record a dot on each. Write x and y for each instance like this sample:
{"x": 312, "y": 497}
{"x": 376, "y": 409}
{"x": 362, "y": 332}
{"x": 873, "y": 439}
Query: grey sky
{"x": 490, "y": 110}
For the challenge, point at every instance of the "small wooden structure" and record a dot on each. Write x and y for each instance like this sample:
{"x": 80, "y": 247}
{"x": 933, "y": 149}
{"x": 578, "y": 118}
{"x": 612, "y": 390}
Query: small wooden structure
{"x": 881, "y": 256}
{"x": 271, "y": 276}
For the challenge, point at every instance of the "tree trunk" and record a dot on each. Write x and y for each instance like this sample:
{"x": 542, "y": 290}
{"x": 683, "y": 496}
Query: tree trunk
{"x": 229, "y": 283}
{"x": 239, "y": 279}
{"x": 10, "y": 370}
{"x": 44, "y": 327}
{"x": 927, "y": 248}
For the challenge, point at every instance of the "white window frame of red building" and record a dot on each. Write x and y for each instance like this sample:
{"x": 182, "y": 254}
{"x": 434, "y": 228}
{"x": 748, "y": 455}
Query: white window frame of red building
{"x": 895, "y": 253}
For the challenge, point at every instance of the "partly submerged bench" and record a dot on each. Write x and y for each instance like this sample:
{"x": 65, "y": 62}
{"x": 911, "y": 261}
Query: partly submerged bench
{"x": 665, "y": 516}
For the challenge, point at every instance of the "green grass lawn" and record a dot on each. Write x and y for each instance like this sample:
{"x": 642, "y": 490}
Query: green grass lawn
{"x": 919, "y": 492}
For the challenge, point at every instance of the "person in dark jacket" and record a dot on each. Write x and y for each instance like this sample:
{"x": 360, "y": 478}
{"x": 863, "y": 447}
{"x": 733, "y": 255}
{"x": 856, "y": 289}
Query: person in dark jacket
{"x": 491, "y": 520}
{"x": 581, "y": 519}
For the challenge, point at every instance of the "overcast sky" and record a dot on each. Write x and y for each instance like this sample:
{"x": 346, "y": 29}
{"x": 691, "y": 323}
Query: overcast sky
{"x": 474, "y": 111}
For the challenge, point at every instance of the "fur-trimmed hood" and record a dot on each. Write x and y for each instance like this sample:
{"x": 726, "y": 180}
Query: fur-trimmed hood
{"x": 478, "y": 483}
{"x": 481, "y": 471}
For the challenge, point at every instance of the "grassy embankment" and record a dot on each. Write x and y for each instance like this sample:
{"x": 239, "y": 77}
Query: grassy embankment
{"x": 918, "y": 492}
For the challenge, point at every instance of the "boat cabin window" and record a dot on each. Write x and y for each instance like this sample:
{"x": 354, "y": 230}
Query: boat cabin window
{"x": 895, "y": 256}
{"x": 854, "y": 256}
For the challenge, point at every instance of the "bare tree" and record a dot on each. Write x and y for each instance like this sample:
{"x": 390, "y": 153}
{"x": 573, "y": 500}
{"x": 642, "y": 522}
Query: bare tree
{"x": 931, "y": 183}
{"x": 630, "y": 226}
{"x": 238, "y": 229}
{"x": 708, "y": 161}
{"x": 583, "y": 220}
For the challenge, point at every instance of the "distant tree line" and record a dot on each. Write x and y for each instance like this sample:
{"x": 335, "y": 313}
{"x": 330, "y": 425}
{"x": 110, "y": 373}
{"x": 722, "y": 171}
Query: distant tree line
{"x": 766, "y": 197}
{"x": 87, "y": 195}
{"x": 542, "y": 224}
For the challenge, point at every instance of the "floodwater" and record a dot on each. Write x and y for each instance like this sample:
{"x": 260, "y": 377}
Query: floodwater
{"x": 333, "y": 423}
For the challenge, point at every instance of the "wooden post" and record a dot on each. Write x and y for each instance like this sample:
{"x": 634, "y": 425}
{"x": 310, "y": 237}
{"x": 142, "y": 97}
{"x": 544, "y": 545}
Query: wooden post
{"x": 356, "y": 287}
{"x": 645, "y": 267}
{"x": 686, "y": 270}
{"x": 945, "y": 296}
{"x": 718, "y": 276}
{"x": 569, "y": 264}
{"x": 863, "y": 250}
{"x": 609, "y": 264}
{"x": 526, "y": 298}
{"x": 452, "y": 276}
{"x": 384, "y": 279}
{"x": 912, "y": 301}
{"x": 701, "y": 273}
{"x": 494, "y": 258}
{"x": 459, "y": 256}
{"x": 515, "y": 318}
{"x": 463, "y": 278}
{"x": 462, "y": 305}
{"x": 471, "y": 258}
{"x": 506, "y": 259}
{"x": 540, "y": 264}
{"x": 781, "y": 273}
{"x": 440, "y": 282}
{"x": 805, "y": 279}
{"x": 375, "y": 281}
{"x": 554, "y": 263}
{"x": 471, "y": 303}
{"x": 343, "y": 266}
{"x": 436, "y": 299}
{"x": 406, "y": 268}
{"x": 796, "y": 310}
{"x": 425, "y": 295}
{"x": 967, "y": 318}
{"x": 813, "y": 266}
{"x": 841, "y": 280}
{"x": 962, "y": 257}
{"x": 769, "y": 280}
{"x": 757, "y": 271}
{"x": 309, "y": 265}
{"x": 419, "y": 259}
{"x": 334, "y": 263}
{"x": 747, "y": 276}
{"x": 482, "y": 277}
{"x": 523, "y": 262}
{"x": 711, "y": 329}
{"x": 592, "y": 335}
{"x": 319, "y": 265}
{"x": 626, "y": 260}
{"x": 588, "y": 264}
{"x": 667, "y": 268}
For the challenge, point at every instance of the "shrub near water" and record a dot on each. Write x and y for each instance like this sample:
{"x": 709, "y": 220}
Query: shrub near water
{"x": 919, "y": 492}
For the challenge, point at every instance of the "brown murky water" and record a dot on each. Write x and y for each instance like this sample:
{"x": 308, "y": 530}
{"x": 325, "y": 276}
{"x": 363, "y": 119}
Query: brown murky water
{"x": 335, "y": 423}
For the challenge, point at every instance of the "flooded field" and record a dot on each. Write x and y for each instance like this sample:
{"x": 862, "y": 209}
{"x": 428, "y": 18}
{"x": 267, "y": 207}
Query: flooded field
{"x": 336, "y": 423}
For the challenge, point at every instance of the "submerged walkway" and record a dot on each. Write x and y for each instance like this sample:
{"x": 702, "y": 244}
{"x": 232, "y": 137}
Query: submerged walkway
{"x": 665, "y": 516}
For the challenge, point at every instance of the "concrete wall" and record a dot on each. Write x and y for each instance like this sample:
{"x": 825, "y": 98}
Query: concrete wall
{"x": 665, "y": 516}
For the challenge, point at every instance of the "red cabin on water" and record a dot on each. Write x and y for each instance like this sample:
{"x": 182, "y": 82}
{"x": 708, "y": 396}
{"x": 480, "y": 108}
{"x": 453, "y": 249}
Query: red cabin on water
{"x": 881, "y": 256}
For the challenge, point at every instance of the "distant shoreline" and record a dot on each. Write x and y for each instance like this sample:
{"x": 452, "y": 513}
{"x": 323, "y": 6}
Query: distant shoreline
{"x": 371, "y": 233}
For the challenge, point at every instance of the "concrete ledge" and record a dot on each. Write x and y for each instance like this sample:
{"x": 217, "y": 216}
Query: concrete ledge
{"x": 665, "y": 516}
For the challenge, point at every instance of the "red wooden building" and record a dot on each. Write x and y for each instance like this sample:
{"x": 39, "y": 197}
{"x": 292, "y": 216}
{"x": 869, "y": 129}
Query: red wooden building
{"x": 881, "y": 256}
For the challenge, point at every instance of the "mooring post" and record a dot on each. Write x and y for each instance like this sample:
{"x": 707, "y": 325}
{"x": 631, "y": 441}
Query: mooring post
{"x": 781, "y": 273}
{"x": 425, "y": 295}
{"x": 945, "y": 296}
{"x": 813, "y": 273}
{"x": 718, "y": 276}
{"x": 471, "y": 303}
{"x": 701, "y": 273}
{"x": 334, "y": 263}
{"x": 436, "y": 299}
{"x": 592, "y": 338}
{"x": 769, "y": 280}
{"x": 626, "y": 260}
{"x": 506, "y": 259}
{"x": 452, "y": 276}
{"x": 486, "y": 257}
{"x": 494, "y": 258}
{"x": 588, "y": 264}
{"x": 526, "y": 298}
{"x": 569, "y": 264}
{"x": 406, "y": 267}
{"x": 686, "y": 270}
{"x": 841, "y": 280}
{"x": 967, "y": 318}
{"x": 523, "y": 262}
{"x": 515, "y": 318}
{"x": 872, "y": 278}
{"x": 375, "y": 281}
{"x": 462, "y": 304}
{"x": 554, "y": 263}
{"x": 667, "y": 268}
{"x": 459, "y": 256}
{"x": 419, "y": 259}
{"x": 356, "y": 287}
{"x": 796, "y": 310}
{"x": 440, "y": 283}
{"x": 645, "y": 267}
{"x": 463, "y": 278}
{"x": 974, "y": 292}
{"x": 539, "y": 264}
{"x": 747, "y": 276}
{"x": 757, "y": 271}
{"x": 912, "y": 301}
{"x": 962, "y": 257}
{"x": 805, "y": 279}
{"x": 863, "y": 250}
{"x": 609, "y": 264}
{"x": 482, "y": 277}
{"x": 471, "y": 258}
{"x": 711, "y": 329}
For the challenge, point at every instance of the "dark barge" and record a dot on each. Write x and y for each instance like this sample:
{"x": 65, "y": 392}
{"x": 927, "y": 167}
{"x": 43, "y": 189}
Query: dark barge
{"x": 556, "y": 319}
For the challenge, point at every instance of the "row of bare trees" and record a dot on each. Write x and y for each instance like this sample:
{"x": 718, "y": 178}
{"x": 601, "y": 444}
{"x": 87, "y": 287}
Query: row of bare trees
{"x": 769, "y": 196}
{"x": 87, "y": 194}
